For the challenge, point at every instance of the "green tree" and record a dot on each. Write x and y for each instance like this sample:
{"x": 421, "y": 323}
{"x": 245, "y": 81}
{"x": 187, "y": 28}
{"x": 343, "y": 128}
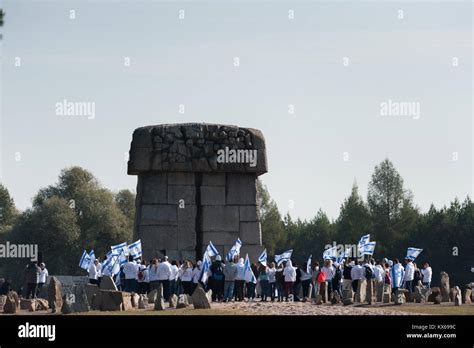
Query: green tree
{"x": 8, "y": 212}
{"x": 125, "y": 200}
{"x": 101, "y": 221}
{"x": 273, "y": 232}
{"x": 354, "y": 219}
{"x": 54, "y": 228}
{"x": 390, "y": 206}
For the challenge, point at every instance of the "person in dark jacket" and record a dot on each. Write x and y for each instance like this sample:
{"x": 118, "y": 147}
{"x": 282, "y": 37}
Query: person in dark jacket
{"x": 217, "y": 276}
{"x": 6, "y": 287}
{"x": 32, "y": 273}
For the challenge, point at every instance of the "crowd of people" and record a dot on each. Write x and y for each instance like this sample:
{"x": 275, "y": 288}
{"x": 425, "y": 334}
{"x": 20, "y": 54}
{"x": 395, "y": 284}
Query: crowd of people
{"x": 272, "y": 282}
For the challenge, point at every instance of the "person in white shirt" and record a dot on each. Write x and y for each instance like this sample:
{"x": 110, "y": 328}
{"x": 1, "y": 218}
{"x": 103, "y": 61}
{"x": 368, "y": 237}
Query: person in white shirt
{"x": 153, "y": 274}
{"x": 186, "y": 276}
{"x": 272, "y": 280}
{"x": 357, "y": 274}
{"x": 289, "y": 272}
{"x": 142, "y": 280}
{"x": 43, "y": 276}
{"x": 130, "y": 270}
{"x": 164, "y": 274}
{"x": 329, "y": 270}
{"x": 94, "y": 272}
{"x": 174, "y": 278}
{"x": 379, "y": 274}
{"x": 196, "y": 275}
{"x": 427, "y": 274}
{"x": 239, "y": 281}
{"x": 409, "y": 275}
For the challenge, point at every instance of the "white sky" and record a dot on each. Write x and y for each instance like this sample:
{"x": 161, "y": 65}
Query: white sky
{"x": 283, "y": 61}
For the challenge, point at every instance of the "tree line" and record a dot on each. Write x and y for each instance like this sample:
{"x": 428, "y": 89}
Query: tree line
{"x": 78, "y": 213}
{"x": 391, "y": 218}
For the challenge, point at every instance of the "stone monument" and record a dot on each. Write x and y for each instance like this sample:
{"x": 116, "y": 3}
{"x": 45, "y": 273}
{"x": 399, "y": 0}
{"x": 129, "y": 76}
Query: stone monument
{"x": 197, "y": 183}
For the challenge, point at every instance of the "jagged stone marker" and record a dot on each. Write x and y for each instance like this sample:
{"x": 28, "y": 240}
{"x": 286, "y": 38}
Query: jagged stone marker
{"x": 197, "y": 183}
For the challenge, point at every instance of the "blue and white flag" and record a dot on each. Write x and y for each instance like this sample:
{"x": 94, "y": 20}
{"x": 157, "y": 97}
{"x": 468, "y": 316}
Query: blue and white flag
{"x": 85, "y": 261}
{"x": 117, "y": 249}
{"x": 211, "y": 250}
{"x": 412, "y": 253}
{"x": 206, "y": 265}
{"x": 330, "y": 253}
{"x": 340, "y": 259}
{"x": 135, "y": 249}
{"x": 249, "y": 277}
{"x": 235, "y": 250}
{"x": 369, "y": 248}
{"x": 362, "y": 242}
{"x": 283, "y": 257}
{"x": 122, "y": 258}
{"x": 263, "y": 257}
{"x": 92, "y": 255}
{"x": 308, "y": 264}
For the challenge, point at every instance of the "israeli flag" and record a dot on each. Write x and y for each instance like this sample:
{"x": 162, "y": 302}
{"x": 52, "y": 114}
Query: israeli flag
{"x": 107, "y": 262}
{"x": 211, "y": 250}
{"x": 92, "y": 255}
{"x": 308, "y": 264}
{"x": 340, "y": 259}
{"x": 283, "y": 257}
{"x": 362, "y": 242}
{"x": 123, "y": 259}
{"x": 369, "y": 248}
{"x": 263, "y": 257}
{"x": 248, "y": 274}
{"x": 85, "y": 261}
{"x": 135, "y": 249}
{"x": 206, "y": 264}
{"x": 330, "y": 253}
{"x": 412, "y": 253}
{"x": 117, "y": 249}
{"x": 235, "y": 250}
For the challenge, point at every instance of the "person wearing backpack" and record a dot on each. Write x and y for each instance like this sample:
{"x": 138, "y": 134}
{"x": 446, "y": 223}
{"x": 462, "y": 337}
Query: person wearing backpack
{"x": 336, "y": 280}
{"x": 370, "y": 277}
{"x": 314, "y": 279}
{"x": 217, "y": 277}
{"x": 280, "y": 283}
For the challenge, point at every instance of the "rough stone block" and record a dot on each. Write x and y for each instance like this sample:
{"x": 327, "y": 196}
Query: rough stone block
{"x": 220, "y": 238}
{"x": 250, "y": 233}
{"x": 176, "y": 193}
{"x": 161, "y": 214}
{"x": 217, "y": 179}
{"x": 212, "y": 195}
{"x": 220, "y": 218}
{"x": 248, "y": 213}
{"x": 181, "y": 178}
{"x": 139, "y": 160}
{"x": 241, "y": 188}
{"x": 154, "y": 188}
{"x": 254, "y": 251}
{"x": 159, "y": 237}
{"x": 186, "y": 227}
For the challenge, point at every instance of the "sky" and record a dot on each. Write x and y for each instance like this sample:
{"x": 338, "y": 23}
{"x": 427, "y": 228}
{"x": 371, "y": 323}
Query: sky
{"x": 311, "y": 75}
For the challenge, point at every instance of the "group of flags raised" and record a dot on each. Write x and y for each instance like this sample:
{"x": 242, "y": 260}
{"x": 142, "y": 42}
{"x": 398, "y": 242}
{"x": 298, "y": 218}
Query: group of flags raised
{"x": 119, "y": 254}
{"x": 365, "y": 247}
{"x": 116, "y": 257}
